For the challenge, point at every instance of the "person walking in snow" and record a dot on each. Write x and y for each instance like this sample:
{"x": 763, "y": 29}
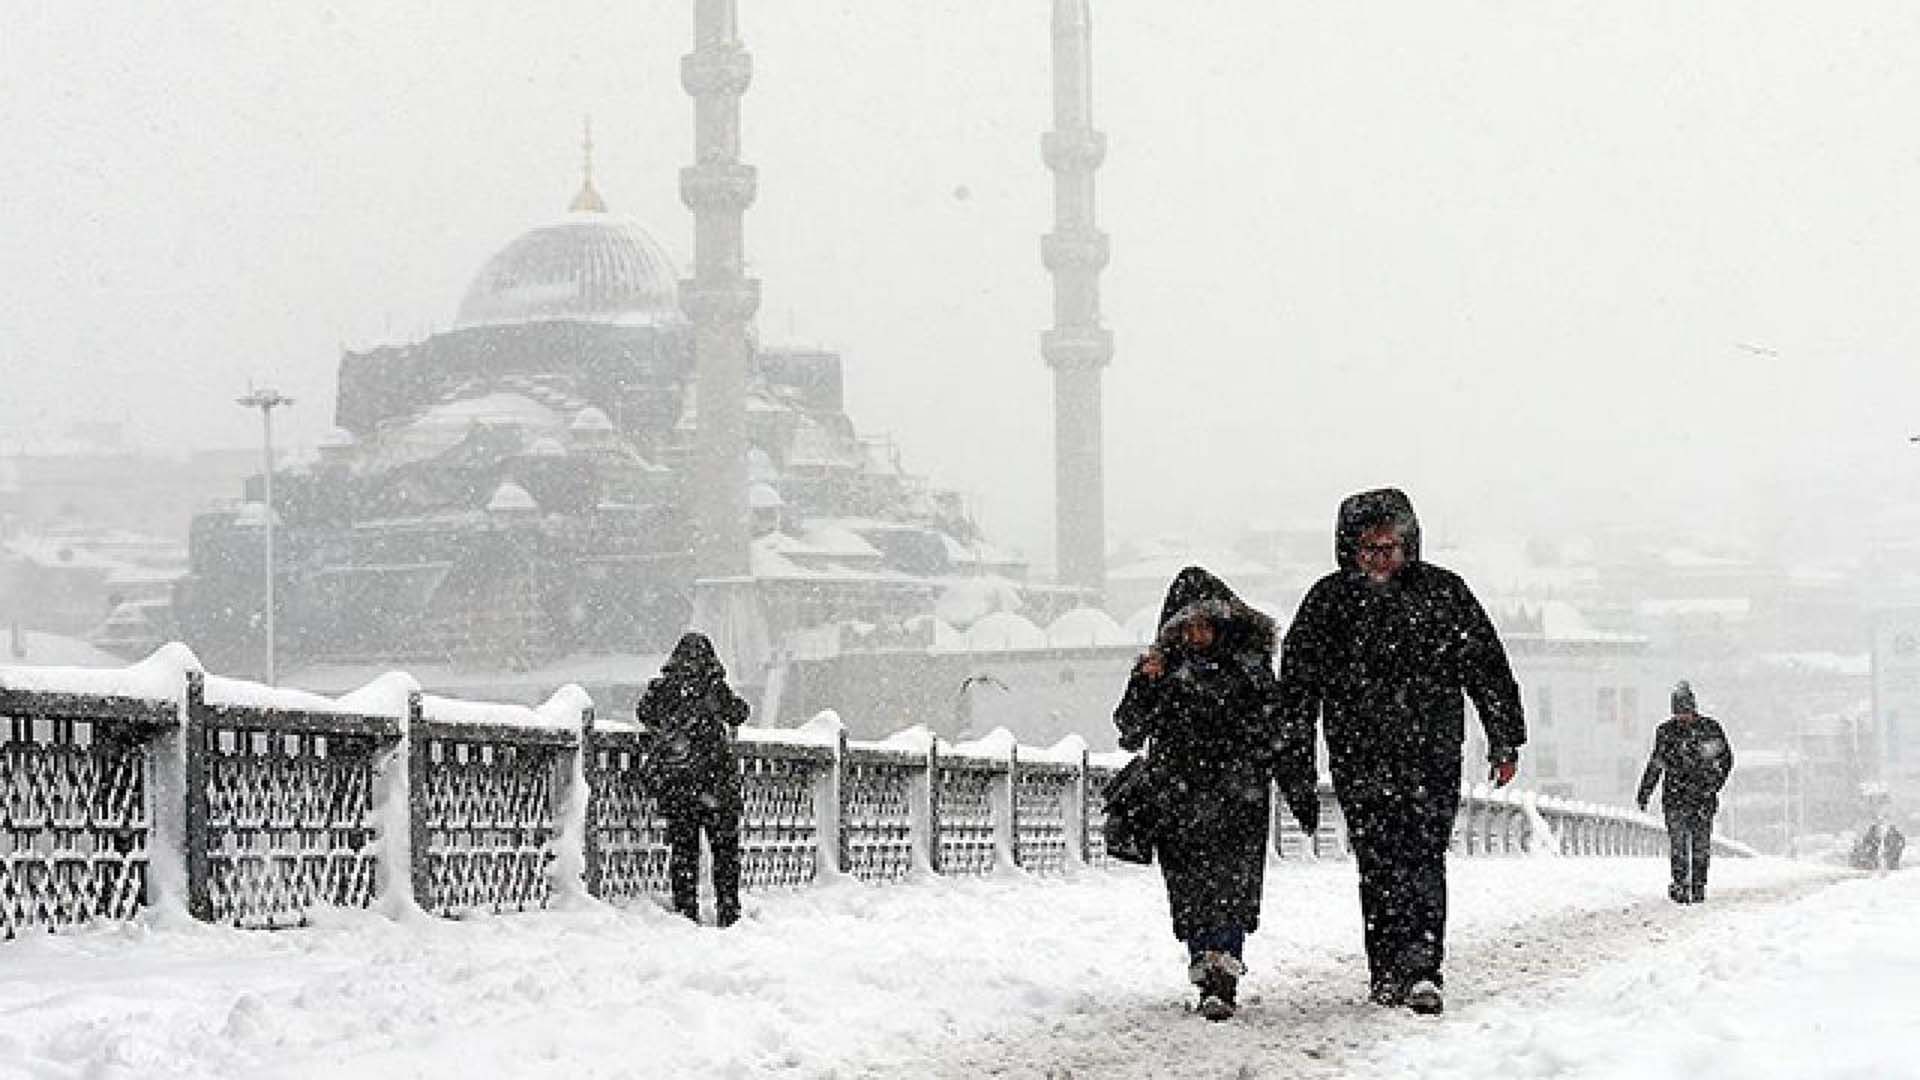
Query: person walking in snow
{"x": 1381, "y": 652}
{"x": 688, "y": 718}
{"x": 1692, "y": 752}
{"x": 1203, "y": 697}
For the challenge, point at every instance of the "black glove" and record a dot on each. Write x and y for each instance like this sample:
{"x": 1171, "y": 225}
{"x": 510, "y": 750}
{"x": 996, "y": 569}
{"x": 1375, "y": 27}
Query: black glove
{"x": 1305, "y": 804}
{"x": 1642, "y": 804}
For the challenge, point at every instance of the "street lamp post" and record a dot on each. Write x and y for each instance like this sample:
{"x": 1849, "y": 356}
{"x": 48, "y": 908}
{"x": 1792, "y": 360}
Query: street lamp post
{"x": 266, "y": 399}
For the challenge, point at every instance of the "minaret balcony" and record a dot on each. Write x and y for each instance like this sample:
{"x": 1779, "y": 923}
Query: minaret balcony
{"x": 1073, "y": 348}
{"x": 1073, "y": 151}
{"x": 708, "y": 302}
{"x": 718, "y": 185}
{"x": 1078, "y": 250}
{"x": 724, "y": 70}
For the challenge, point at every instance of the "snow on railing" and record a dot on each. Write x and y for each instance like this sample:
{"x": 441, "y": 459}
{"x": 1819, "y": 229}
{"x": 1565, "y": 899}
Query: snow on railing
{"x": 160, "y": 786}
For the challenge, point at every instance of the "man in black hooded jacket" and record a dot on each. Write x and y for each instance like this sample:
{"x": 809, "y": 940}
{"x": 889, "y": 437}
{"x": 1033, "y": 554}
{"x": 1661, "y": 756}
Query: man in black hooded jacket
{"x": 1692, "y": 752}
{"x": 1381, "y": 650}
{"x": 688, "y": 718}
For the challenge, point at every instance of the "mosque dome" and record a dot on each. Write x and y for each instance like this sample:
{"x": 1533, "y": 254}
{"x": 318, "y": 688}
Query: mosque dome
{"x": 590, "y": 266}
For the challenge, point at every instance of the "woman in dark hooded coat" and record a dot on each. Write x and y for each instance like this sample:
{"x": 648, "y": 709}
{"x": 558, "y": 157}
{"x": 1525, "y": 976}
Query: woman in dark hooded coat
{"x": 688, "y": 718}
{"x": 1206, "y": 696}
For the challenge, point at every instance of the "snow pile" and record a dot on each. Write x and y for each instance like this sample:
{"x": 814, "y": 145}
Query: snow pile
{"x": 1823, "y": 987}
{"x": 1010, "y": 975}
{"x": 160, "y": 677}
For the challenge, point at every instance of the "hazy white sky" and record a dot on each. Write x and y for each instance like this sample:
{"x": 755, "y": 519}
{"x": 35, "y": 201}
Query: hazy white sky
{"x": 1505, "y": 255}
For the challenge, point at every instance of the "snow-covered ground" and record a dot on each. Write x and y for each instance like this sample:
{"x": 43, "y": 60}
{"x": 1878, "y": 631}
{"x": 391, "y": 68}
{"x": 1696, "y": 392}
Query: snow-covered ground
{"x": 1559, "y": 967}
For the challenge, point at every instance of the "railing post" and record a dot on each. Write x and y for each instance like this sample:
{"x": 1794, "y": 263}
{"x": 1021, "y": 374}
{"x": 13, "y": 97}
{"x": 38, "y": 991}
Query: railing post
{"x": 393, "y": 861}
{"x": 1080, "y": 842}
{"x": 194, "y": 732}
{"x": 1006, "y": 811}
{"x": 920, "y": 813}
{"x": 419, "y": 775}
{"x": 829, "y": 835}
{"x": 933, "y": 804}
{"x": 593, "y": 871}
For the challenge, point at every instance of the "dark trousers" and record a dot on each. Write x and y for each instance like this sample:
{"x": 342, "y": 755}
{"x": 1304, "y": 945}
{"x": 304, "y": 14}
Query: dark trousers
{"x": 1231, "y": 942}
{"x": 1400, "y": 845}
{"x": 1690, "y": 847}
{"x": 722, "y": 826}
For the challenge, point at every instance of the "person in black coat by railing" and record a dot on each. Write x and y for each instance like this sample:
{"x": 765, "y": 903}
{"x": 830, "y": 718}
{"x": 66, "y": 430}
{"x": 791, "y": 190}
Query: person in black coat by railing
{"x": 1692, "y": 752}
{"x": 688, "y": 718}
{"x": 1381, "y": 651}
{"x": 1204, "y": 697}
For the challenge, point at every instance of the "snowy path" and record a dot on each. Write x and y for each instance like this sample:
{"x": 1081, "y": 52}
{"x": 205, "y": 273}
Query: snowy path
{"x": 1310, "y": 1018}
{"x": 1012, "y": 975}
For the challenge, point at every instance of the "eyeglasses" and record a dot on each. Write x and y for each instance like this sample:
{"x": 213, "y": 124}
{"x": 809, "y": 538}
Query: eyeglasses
{"x": 1380, "y": 549}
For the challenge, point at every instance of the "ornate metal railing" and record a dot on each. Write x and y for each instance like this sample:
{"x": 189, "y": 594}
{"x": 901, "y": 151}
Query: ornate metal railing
{"x": 1046, "y": 825}
{"x": 625, "y": 835}
{"x": 967, "y": 839}
{"x": 882, "y": 788}
{"x": 253, "y": 807}
{"x": 485, "y": 804}
{"x": 75, "y": 820}
{"x": 780, "y": 821}
{"x": 289, "y": 809}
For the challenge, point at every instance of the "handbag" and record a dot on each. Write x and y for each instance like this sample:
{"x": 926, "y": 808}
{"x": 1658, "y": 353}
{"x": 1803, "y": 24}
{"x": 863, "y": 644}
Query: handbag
{"x": 1136, "y": 816}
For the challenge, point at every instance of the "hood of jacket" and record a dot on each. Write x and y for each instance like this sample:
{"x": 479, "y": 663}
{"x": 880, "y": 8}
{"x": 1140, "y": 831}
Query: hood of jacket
{"x": 1368, "y": 510}
{"x": 693, "y": 662}
{"x": 1196, "y": 592}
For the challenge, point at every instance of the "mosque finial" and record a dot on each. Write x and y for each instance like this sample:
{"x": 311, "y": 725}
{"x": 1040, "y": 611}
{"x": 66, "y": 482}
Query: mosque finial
{"x": 589, "y": 200}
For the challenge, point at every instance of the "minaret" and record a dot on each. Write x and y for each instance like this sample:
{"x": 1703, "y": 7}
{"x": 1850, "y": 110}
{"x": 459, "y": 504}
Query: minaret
{"x": 589, "y": 200}
{"x": 1077, "y": 347}
{"x": 719, "y": 299}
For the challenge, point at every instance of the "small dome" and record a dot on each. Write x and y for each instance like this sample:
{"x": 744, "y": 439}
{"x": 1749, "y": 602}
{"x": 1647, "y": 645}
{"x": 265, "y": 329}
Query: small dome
{"x": 588, "y": 266}
{"x": 1003, "y": 630}
{"x": 1086, "y": 627}
{"x": 591, "y": 419}
{"x": 443, "y": 426}
{"x": 511, "y": 498}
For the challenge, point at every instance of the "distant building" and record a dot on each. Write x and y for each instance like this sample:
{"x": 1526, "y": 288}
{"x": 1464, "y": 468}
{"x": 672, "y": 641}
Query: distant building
{"x": 1592, "y": 701}
{"x": 517, "y": 489}
{"x": 93, "y": 529}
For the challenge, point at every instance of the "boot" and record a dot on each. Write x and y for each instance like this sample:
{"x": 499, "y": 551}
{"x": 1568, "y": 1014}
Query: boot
{"x": 1424, "y": 998}
{"x": 1217, "y": 974}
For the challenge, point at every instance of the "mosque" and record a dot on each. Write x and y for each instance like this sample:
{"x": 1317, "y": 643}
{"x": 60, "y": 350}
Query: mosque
{"x": 601, "y": 452}
{"x": 517, "y": 488}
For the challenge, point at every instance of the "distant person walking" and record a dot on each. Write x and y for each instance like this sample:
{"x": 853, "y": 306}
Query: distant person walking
{"x": 1203, "y": 695}
{"x": 1692, "y": 753}
{"x": 1381, "y": 651}
{"x": 689, "y": 716}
